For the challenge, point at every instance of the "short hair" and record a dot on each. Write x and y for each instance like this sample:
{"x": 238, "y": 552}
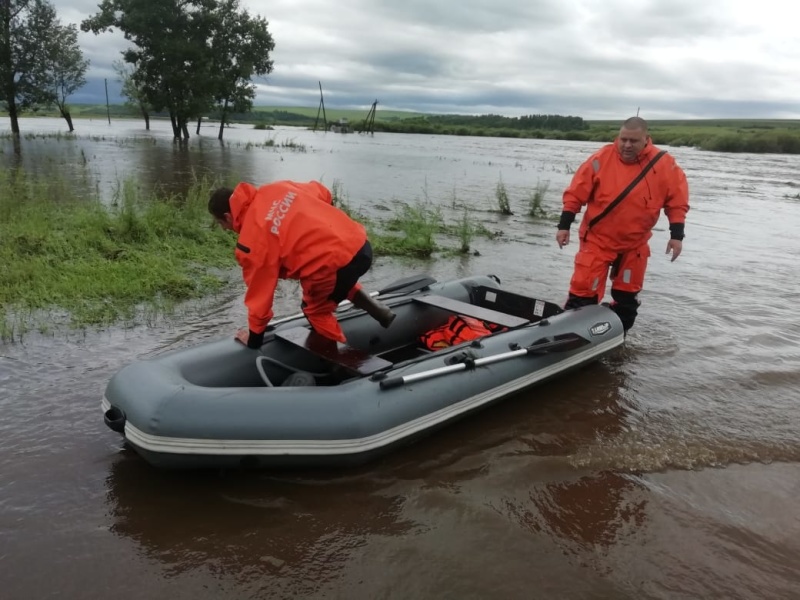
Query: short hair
{"x": 220, "y": 202}
{"x": 635, "y": 123}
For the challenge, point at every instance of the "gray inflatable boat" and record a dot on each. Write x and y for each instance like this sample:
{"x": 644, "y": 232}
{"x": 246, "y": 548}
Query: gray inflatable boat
{"x": 303, "y": 401}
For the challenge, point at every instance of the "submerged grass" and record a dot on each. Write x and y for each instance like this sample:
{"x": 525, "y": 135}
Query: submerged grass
{"x": 503, "y": 202}
{"x": 464, "y": 231}
{"x": 75, "y": 261}
{"x": 342, "y": 202}
{"x": 417, "y": 225}
{"x": 413, "y": 228}
{"x": 536, "y": 207}
{"x": 99, "y": 263}
{"x": 409, "y": 232}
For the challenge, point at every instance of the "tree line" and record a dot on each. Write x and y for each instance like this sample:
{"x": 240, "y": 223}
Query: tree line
{"x": 186, "y": 58}
{"x": 529, "y": 126}
{"x": 527, "y": 122}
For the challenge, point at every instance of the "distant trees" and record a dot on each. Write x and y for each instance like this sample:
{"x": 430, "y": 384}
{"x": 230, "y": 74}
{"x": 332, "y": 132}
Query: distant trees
{"x": 240, "y": 47}
{"x": 65, "y": 68}
{"x": 41, "y": 63}
{"x": 529, "y": 126}
{"x": 189, "y": 56}
{"x": 527, "y": 122}
{"x": 132, "y": 91}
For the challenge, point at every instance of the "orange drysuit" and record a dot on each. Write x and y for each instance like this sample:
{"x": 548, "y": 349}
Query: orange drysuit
{"x": 290, "y": 230}
{"x": 619, "y": 240}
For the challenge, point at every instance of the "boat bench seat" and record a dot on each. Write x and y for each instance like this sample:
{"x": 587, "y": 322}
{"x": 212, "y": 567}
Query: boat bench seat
{"x": 353, "y": 359}
{"x": 471, "y": 310}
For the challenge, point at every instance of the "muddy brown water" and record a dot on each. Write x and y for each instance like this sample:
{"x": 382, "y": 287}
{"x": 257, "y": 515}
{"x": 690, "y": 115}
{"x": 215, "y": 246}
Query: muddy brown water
{"x": 670, "y": 469}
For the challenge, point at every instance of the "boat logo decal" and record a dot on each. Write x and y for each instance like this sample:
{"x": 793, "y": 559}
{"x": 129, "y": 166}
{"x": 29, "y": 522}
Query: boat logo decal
{"x": 600, "y": 328}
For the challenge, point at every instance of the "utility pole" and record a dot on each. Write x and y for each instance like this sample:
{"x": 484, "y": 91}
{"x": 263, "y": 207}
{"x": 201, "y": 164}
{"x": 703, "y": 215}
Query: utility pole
{"x": 108, "y": 110}
{"x": 369, "y": 122}
{"x": 321, "y": 107}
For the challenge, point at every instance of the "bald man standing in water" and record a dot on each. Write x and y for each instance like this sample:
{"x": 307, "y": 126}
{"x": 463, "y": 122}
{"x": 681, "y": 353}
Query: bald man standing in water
{"x": 624, "y": 186}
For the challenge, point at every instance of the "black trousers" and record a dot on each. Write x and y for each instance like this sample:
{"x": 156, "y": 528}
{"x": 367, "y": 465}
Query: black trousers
{"x": 348, "y": 275}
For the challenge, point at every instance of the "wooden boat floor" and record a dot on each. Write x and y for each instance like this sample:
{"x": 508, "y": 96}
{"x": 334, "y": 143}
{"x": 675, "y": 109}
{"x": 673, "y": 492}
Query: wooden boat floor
{"x": 343, "y": 355}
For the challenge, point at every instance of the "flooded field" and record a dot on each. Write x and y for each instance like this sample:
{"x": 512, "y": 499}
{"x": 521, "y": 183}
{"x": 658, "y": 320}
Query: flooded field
{"x": 669, "y": 470}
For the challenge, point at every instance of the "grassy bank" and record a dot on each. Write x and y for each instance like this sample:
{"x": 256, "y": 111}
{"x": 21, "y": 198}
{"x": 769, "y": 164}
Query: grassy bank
{"x": 73, "y": 259}
{"x": 77, "y": 262}
{"x": 757, "y": 136}
{"x": 720, "y": 135}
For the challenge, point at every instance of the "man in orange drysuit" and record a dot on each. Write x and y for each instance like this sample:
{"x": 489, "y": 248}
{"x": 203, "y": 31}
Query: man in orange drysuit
{"x": 290, "y": 230}
{"x": 617, "y": 226}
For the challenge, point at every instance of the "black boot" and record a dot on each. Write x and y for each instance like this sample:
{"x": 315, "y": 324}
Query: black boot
{"x": 574, "y": 301}
{"x": 626, "y": 305}
{"x": 375, "y": 309}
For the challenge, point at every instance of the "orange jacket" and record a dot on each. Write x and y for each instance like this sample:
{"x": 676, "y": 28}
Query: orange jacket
{"x": 288, "y": 230}
{"x": 600, "y": 179}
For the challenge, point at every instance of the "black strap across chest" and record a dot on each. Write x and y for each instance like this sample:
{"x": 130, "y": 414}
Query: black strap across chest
{"x": 625, "y": 192}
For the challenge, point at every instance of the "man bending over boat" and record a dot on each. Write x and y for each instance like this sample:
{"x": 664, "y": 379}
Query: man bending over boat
{"x": 291, "y": 230}
{"x": 624, "y": 186}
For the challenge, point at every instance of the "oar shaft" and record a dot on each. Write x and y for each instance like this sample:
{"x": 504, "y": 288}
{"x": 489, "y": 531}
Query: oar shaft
{"x": 393, "y": 382}
{"x": 542, "y": 348}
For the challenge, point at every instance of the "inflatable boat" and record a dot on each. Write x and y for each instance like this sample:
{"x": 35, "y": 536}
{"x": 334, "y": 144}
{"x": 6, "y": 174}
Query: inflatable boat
{"x": 304, "y": 401}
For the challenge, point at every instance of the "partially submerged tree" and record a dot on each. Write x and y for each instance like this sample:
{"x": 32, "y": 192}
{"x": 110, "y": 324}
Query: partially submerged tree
{"x": 66, "y": 68}
{"x": 133, "y": 91}
{"x": 26, "y": 27}
{"x": 165, "y": 55}
{"x": 240, "y": 48}
{"x": 176, "y": 65}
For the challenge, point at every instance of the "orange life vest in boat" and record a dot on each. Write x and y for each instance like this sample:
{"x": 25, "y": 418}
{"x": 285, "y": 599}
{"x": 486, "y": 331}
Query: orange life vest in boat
{"x": 458, "y": 329}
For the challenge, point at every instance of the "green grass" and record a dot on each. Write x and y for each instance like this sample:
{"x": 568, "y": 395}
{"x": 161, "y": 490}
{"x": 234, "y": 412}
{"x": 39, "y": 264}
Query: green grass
{"x": 409, "y": 231}
{"x": 723, "y": 135}
{"x": 99, "y": 264}
{"x": 742, "y": 135}
{"x": 710, "y": 123}
{"x": 536, "y": 207}
{"x": 77, "y": 262}
{"x": 417, "y": 225}
{"x": 501, "y": 195}
{"x": 465, "y": 229}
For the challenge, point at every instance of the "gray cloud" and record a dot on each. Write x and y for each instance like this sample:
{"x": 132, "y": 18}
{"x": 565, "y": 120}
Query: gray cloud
{"x": 683, "y": 58}
{"x": 472, "y": 16}
{"x": 643, "y": 22}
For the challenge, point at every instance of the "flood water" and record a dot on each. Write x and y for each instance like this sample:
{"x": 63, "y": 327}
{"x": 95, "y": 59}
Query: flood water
{"x": 668, "y": 470}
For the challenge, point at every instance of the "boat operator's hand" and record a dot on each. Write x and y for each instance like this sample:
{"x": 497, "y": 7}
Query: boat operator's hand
{"x": 242, "y": 336}
{"x": 562, "y": 237}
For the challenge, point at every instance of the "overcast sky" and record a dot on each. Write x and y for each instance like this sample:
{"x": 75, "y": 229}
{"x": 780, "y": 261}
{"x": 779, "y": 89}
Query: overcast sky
{"x": 597, "y": 59}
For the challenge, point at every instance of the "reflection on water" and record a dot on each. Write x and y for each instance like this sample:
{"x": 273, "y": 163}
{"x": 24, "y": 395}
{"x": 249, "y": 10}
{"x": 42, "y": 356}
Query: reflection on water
{"x": 306, "y": 532}
{"x": 668, "y": 470}
{"x": 594, "y": 510}
{"x": 95, "y": 167}
{"x": 380, "y": 168}
{"x": 578, "y": 509}
{"x": 295, "y": 532}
